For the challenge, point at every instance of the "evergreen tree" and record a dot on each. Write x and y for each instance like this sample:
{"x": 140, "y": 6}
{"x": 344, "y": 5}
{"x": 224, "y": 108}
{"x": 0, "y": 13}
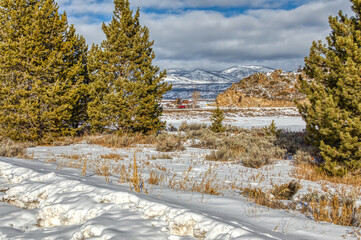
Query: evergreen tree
{"x": 126, "y": 88}
{"x": 41, "y": 71}
{"x": 217, "y": 121}
{"x": 333, "y": 110}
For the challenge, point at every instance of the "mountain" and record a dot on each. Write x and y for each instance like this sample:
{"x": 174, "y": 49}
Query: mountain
{"x": 276, "y": 89}
{"x": 208, "y": 83}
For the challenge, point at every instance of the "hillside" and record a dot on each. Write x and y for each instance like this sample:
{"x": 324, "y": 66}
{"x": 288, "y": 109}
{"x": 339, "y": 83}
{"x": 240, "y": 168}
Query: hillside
{"x": 208, "y": 83}
{"x": 276, "y": 89}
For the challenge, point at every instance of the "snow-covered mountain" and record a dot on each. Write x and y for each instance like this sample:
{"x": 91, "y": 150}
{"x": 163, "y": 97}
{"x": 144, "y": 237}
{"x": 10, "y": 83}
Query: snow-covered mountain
{"x": 209, "y": 83}
{"x": 199, "y": 76}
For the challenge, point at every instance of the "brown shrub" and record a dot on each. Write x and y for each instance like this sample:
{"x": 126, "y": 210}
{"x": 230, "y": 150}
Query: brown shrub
{"x": 169, "y": 143}
{"x": 286, "y": 191}
{"x": 223, "y": 154}
{"x": 184, "y": 127}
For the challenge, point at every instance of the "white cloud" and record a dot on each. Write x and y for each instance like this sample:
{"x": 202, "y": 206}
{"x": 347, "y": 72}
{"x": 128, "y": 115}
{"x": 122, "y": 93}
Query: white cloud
{"x": 206, "y": 39}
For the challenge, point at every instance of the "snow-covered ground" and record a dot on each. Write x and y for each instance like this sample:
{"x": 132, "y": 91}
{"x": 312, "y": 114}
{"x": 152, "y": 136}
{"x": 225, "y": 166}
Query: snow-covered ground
{"x": 286, "y": 118}
{"x": 58, "y": 195}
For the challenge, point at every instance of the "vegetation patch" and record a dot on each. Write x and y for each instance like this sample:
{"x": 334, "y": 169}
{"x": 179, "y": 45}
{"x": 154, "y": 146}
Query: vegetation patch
{"x": 169, "y": 143}
{"x": 10, "y": 148}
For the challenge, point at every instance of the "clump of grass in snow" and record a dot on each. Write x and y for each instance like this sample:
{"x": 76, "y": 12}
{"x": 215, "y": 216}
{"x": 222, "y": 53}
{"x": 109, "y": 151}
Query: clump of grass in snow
{"x": 169, "y": 143}
{"x": 162, "y": 156}
{"x": 121, "y": 141}
{"x": 286, "y": 191}
{"x": 9, "y": 148}
{"x": 223, "y": 154}
{"x": 338, "y": 208}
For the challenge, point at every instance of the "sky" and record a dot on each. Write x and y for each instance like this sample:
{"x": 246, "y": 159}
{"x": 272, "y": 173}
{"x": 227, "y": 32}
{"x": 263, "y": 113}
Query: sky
{"x": 217, "y": 34}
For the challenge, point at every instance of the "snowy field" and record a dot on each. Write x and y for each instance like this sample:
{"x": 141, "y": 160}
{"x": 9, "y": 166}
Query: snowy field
{"x": 59, "y": 194}
{"x": 284, "y": 118}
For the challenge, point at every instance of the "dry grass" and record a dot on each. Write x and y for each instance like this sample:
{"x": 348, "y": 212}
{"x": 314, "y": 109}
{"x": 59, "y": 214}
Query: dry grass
{"x": 136, "y": 181}
{"x": 254, "y": 148}
{"x": 312, "y": 173}
{"x": 169, "y": 143}
{"x": 162, "y": 156}
{"x": 206, "y": 183}
{"x": 121, "y": 141}
{"x": 9, "y": 148}
{"x": 66, "y": 141}
{"x": 155, "y": 178}
{"x": 113, "y": 156}
{"x": 337, "y": 209}
{"x": 73, "y": 156}
{"x": 286, "y": 191}
{"x": 223, "y": 154}
{"x": 260, "y": 197}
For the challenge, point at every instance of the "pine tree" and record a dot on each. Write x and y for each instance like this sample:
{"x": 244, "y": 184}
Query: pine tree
{"x": 217, "y": 121}
{"x": 126, "y": 88}
{"x": 41, "y": 71}
{"x": 333, "y": 110}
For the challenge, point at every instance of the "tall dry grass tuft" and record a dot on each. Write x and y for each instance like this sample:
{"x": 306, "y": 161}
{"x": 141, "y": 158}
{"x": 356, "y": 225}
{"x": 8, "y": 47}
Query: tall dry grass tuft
{"x": 311, "y": 172}
{"x": 155, "y": 177}
{"x": 9, "y": 148}
{"x": 121, "y": 141}
{"x": 336, "y": 209}
{"x": 136, "y": 180}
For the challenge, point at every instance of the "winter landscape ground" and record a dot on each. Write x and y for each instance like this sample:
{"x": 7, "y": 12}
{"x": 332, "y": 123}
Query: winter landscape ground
{"x": 90, "y": 191}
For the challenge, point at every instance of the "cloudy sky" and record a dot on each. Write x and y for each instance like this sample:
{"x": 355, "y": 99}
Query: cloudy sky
{"x": 216, "y": 34}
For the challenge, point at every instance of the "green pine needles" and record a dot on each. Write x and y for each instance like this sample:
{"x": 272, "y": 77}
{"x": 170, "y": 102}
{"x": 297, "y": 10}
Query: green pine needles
{"x": 217, "y": 121}
{"x": 41, "y": 71}
{"x": 125, "y": 88}
{"x": 51, "y": 86}
{"x": 333, "y": 110}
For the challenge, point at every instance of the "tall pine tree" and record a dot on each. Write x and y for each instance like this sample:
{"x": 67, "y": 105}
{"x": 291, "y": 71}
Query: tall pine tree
{"x": 333, "y": 110}
{"x": 42, "y": 71}
{"x": 126, "y": 88}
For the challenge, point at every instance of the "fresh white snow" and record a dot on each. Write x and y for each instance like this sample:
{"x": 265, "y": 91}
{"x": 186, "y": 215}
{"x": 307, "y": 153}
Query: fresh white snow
{"x": 44, "y": 198}
{"x": 47, "y": 201}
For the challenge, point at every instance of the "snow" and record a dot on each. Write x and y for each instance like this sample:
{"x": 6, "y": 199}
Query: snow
{"x": 286, "y": 119}
{"x": 208, "y": 83}
{"x": 44, "y": 198}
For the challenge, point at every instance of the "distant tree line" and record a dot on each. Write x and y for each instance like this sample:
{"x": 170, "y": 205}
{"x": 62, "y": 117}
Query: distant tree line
{"x": 52, "y": 86}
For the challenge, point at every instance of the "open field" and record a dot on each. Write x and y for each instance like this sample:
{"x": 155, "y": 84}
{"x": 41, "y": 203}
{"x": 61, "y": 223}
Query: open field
{"x": 185, "y": 184}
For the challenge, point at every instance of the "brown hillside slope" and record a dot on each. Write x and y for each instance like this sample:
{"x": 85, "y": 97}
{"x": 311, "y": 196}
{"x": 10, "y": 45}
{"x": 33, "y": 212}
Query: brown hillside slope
{"x": 274, "y": 89}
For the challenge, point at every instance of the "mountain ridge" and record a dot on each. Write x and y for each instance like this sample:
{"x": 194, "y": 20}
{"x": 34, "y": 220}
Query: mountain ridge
{"x": 208, "y": 83}
{"x": 200, "y": 76}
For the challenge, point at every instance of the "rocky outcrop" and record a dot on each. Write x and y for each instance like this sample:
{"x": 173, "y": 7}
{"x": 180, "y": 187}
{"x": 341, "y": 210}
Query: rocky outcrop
{"x": 276, "y": 89}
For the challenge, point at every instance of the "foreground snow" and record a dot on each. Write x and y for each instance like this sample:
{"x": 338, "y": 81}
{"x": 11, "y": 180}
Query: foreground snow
{"x": 40, "y": 201}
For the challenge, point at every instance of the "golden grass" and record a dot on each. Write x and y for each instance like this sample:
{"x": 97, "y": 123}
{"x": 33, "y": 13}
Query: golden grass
{"x": 155, "y": 178}
{"x": 114, "y": 156}
{"x": 136, "y": 180}
{"x": 121, "y": 141}
{"x": 334, "y": 210}
{"x": 9, "y": 148}
{"x": 310, "y": 172}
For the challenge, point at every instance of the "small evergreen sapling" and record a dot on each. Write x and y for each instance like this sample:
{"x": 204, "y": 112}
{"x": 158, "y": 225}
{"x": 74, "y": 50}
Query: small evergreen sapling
{"x": 217, "y": 121}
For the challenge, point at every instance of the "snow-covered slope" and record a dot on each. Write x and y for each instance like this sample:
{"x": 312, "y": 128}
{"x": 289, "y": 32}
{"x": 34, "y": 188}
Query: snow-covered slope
{"x": 199, "y": 76}
{"x": 48, "y": 201}
{"x": 209, "y": 83}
